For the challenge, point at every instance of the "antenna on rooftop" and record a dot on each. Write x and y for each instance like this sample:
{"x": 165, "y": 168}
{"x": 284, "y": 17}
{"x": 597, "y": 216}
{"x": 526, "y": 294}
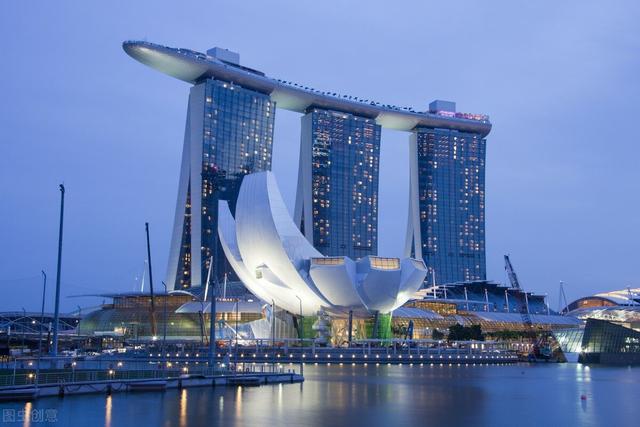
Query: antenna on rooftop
{"x": 562, "y": 297}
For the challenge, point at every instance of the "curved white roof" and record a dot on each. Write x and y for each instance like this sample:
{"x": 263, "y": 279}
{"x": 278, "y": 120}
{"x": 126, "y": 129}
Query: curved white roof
{"x": 192, "y": 67}
{"x": 277, "y": 263}
{"x": 271, "y": 245}
{"x": 628, "y": 296}
{"x": 617, "y": 313}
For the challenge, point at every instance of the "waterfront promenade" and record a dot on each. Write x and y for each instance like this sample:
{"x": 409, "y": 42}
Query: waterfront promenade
{"x": 22, "y": 378}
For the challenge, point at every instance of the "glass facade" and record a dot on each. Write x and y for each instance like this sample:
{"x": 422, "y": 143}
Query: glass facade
{"x": 601, "y": 341}
{"x": 601, "y": 336}
{"x": 237, "y": 140}
{"x": 183, "y": 278}
{"x": 131, "y": 317}
{"x": 451, "y": 201}
{"x": 345, "y": 155}
{"x": 385, "y": 263}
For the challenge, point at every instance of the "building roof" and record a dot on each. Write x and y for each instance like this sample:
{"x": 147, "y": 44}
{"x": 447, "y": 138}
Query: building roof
{"x": 121, "y": 294}
{"x": 192, "y": 67}
{"x": 623, "y": 297}
{"x": 613, "y": 313}
{"x": 37, "y": 314}
{"x": 517, "y": 318}
{"x": 416, "y": 313}
{"x": 222, "y": 307}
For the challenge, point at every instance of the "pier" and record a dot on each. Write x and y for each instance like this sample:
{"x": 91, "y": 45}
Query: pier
{"x": 25, "y": 385}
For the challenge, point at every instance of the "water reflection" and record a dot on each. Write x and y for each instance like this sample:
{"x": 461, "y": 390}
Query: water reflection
{"x": 183, "y": 408}
{"x": 583, "y": 382}
{"x": 238, "y": 401}
{"x": 107, "y": 411}
{"x": 380, "y": 396}
{"x": 280, "y": 399}
{"x": 28, "y": 411}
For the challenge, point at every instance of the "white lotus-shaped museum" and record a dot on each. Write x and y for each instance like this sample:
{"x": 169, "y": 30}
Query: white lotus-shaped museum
{"x": 278, "y": 264}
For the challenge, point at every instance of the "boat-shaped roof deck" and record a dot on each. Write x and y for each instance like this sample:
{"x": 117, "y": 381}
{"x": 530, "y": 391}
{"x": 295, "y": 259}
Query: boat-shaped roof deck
{"x": 193, "y": 67}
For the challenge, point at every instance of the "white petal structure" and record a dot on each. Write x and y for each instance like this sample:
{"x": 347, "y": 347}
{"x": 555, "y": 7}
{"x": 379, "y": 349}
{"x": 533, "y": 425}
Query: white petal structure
{"x": 334, "y": 277}
{"x": 277, "y": 263}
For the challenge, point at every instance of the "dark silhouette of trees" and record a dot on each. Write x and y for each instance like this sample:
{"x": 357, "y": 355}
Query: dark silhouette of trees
{"x": 458, "y": 332}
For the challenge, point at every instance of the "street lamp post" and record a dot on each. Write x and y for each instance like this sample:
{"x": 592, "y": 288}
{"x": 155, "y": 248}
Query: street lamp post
{"x": 56, "y": 313}
{"x": 153, "y": 307}
{"x": 273, "y": 335}
{"x": 235, "y": 363}
{"x": 79, "y": 317}
{"x": 44, "y": 293}
{"x": 300, "y": 327}
{"x": 212, "y": 308}
{"x": 350, "y": 327}
{"x": 24, "y": 319}
{"x": 164, "y": 328}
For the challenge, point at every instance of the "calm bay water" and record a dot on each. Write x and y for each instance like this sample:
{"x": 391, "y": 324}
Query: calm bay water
{"x": 518, "y": 395}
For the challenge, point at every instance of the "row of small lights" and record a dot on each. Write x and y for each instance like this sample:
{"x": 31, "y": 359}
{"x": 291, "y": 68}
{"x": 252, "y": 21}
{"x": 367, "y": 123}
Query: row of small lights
{"x": 353, "y": 356}
{"x": 177, "y": 355}
{"x": 185, "y": 370}
{"x": 410, "y": 364}
{"x": 328, "y": 356}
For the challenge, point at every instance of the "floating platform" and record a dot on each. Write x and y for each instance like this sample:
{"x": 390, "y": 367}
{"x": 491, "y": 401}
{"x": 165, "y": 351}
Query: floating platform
{"x": 22, "y": 393}
{"x": 159, "y": 385}
{"x": 245, "y": 381}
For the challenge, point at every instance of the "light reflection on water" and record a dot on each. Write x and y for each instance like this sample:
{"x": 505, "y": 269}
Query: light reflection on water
{"x": 238, "y": 401}
{"x": 28, "y": 408}
{"x": 107, "y": 411}
{"x": 183, "y": 408}
{"x": 522, "y": 395}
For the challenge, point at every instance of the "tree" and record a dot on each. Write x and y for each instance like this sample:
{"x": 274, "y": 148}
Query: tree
{"x": 458, "y": 332}
{"x": 475, "y": 333}
{"x": 437, "y": 335}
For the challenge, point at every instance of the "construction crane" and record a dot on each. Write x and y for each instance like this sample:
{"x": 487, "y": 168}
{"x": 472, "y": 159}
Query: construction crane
{"x": 513, "y": 278}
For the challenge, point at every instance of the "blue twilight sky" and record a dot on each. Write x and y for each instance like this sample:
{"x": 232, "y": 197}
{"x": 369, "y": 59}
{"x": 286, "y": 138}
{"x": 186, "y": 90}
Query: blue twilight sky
{"x": 560, "y": 80}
